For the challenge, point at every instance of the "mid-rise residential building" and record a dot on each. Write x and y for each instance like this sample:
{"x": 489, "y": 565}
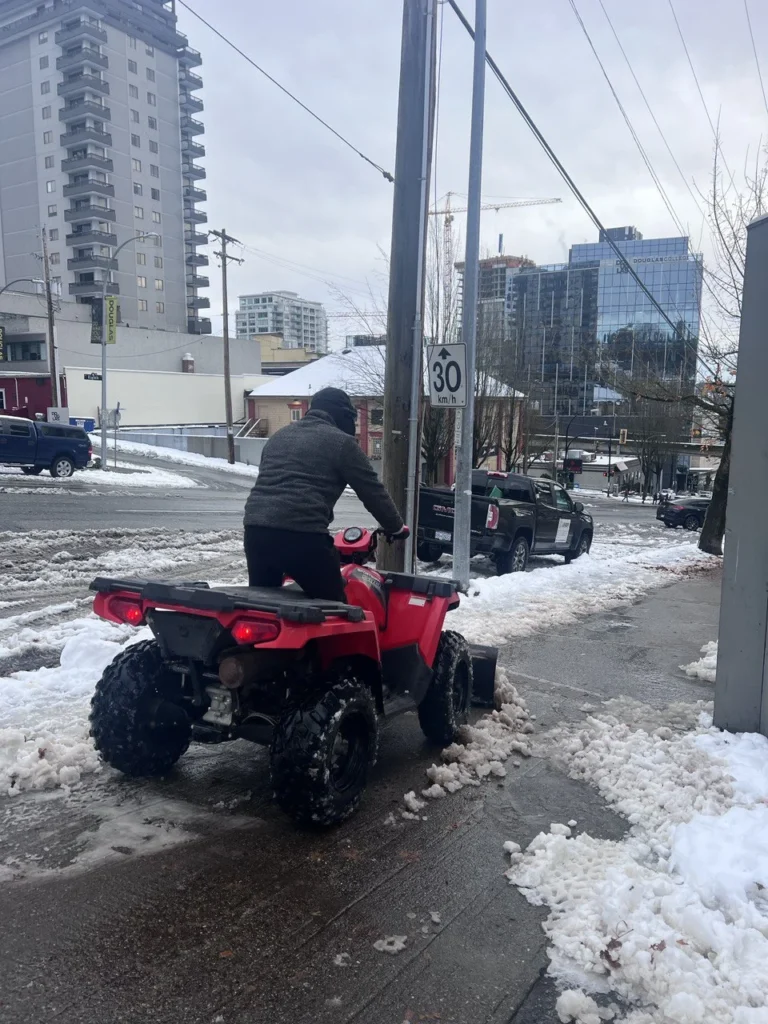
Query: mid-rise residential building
{"x": 301, "y": 322}
{"x": 98, "y": 142}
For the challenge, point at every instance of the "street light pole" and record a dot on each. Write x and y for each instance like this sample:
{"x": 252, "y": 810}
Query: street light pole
{"x": 106, "y": 281}
{"x": 463, "y": 493}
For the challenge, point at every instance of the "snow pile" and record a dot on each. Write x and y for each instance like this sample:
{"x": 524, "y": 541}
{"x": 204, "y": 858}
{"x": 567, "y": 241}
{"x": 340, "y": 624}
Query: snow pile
{"x": 44, "y": 732}
{"x": 152, "y": 451}
{"x": 705, "y": 668}
{"x": 481, "y": 749}
{"x": 673, "y": 919}
{"x": 623, "y": 565}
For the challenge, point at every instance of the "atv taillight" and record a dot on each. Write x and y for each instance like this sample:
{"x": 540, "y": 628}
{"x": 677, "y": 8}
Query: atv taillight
{"x": 253, "y": 631}
{"x": 127, "y": 611}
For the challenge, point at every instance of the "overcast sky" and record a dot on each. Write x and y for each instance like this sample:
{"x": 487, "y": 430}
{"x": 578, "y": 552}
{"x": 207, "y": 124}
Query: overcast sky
{"x": 282, "y": 184}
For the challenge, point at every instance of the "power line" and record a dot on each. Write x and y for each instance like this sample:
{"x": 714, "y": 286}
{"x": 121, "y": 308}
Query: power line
{"x": 288, "y": 93}
{"x": 650, "y": 111}
{"x": 570, "y": 182}
{"x": 754, "y": 50}
{"x": 698, "y": 87}
{"x": 628, "y": 122}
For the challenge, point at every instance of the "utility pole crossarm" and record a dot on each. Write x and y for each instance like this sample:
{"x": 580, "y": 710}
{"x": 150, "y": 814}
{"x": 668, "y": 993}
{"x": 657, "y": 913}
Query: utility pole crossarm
{"x": 226, "y": 259}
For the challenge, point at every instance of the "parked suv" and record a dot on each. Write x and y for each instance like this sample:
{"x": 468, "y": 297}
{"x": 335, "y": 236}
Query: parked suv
{"x": 686, "y": 512}
{"x": 35, "y": 446}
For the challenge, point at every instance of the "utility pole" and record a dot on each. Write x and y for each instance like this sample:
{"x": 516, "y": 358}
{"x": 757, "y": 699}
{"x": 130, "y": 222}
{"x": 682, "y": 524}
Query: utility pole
{"x": 225, "y": 258}
{"x": 51, "y": 335}
{"x": 415, "y": 122}
{"x": 463, "y": 494}
{"x": 557, "y": 417}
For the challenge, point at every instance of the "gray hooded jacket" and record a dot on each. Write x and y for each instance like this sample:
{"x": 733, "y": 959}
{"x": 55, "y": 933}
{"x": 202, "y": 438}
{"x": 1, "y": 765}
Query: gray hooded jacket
{"x": 304, "y": 470}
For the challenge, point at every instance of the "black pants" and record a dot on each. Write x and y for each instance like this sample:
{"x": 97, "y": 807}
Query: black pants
{"x": 308, "y": 558}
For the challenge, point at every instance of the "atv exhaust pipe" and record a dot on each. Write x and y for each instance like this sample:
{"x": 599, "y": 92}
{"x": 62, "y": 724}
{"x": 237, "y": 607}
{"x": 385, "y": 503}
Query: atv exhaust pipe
{"x": 484, "y": 674}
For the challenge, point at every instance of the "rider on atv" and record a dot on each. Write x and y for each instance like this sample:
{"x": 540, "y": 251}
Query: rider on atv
{"x": 304, "y": 470}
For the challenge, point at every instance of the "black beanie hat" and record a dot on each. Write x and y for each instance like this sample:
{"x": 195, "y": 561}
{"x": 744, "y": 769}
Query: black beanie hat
{"x": 338, "y": 405}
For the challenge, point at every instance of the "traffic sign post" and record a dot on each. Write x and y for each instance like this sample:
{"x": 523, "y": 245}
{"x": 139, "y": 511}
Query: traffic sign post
{"x": 447, "y": 376}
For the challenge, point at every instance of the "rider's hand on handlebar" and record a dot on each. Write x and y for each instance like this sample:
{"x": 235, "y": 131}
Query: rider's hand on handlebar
{"x": 402, "y": 534}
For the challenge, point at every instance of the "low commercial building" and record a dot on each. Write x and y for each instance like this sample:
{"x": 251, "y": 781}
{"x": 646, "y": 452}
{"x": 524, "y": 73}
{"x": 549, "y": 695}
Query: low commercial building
{"x": 158, "y": 377}
{"x": 360, "y": 372}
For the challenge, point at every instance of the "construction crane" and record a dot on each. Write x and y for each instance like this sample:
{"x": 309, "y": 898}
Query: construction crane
{"x": 448, "y": 211}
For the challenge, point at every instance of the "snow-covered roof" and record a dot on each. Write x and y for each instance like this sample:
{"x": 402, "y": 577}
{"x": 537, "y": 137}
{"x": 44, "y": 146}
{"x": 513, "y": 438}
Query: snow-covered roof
{"x": 358, "y": 371}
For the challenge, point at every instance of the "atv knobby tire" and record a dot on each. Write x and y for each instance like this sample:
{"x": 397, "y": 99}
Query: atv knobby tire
{"x": 446, "y": 704}
{"x": 137, "y": 724}
{"x": 322, "y": 751}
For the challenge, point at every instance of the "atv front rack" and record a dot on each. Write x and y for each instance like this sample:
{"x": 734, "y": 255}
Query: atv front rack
{"x": 284, "y": 602}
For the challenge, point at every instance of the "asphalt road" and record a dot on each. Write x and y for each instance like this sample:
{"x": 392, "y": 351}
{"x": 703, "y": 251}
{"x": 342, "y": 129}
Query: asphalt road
{"x": 40, "y": 503}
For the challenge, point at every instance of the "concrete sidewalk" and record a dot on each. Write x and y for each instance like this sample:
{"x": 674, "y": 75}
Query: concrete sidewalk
{"x": 244, "y": 924}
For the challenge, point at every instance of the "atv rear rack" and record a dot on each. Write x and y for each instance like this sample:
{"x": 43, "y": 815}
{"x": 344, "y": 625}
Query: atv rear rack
{"x": 285, "y": 602}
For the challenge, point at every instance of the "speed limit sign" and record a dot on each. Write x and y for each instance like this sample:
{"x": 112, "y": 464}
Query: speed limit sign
{"x": 448, "y": 375}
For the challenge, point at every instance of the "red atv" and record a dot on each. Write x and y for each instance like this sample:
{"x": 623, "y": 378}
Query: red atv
{"x": 309, "y": 678}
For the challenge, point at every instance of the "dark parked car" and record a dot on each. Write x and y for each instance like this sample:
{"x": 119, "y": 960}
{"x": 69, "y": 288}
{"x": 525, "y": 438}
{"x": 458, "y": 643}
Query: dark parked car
{"x": 512, "y": 516}
{"x": 35, "y": 446}
{"x": 686, "y": 512}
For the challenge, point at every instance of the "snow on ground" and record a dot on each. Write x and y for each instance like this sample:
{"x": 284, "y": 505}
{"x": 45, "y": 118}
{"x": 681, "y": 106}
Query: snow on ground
{"x": 480, "y": 750}
{"x": 626, "y": 562}
{"x": 705, "y": 668}
{"x": 152, "y": 451}
{"x": 44, "y": 712}
{"x": 44, "y": 739}
{"x": 674, "y": 918}
{"x": 91, "y": 480}
{"x": 38, "y": 561}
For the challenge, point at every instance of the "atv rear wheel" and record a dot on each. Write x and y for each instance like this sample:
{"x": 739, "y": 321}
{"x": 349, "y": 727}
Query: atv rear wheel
{"x": 322, "y": 751}
{"x": 446, "y": 704}
{"x": 137, "y": 723}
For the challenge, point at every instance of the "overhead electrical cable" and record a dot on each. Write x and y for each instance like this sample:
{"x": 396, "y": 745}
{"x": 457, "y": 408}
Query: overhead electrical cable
{"x": 636, "y": 138}
{"x": 386, "y": 174}
{"x": 572, "y": 184}
{"x": 757, "y": 61}
{"x": 692, "y": 194}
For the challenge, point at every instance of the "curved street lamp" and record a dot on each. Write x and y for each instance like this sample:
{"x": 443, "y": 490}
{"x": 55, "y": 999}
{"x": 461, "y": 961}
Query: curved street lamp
{"x": 106, "y": 281}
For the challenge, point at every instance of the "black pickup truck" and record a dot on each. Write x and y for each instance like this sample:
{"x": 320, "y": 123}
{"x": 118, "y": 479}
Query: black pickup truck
{"x": 512, "y": 515}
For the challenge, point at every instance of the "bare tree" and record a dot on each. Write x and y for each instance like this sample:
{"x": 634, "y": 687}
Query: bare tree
{"x": 730, "y": 207}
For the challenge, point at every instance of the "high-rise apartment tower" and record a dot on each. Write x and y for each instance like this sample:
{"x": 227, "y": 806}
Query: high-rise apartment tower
{"x": 98, "y": 141}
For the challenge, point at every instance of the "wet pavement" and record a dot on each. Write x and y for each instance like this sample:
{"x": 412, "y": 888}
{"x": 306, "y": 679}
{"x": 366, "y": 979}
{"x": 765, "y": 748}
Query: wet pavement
{"x": 192, "y": 899}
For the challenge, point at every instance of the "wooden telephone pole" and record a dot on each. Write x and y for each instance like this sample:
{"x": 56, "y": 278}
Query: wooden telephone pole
{"x": 51, "y": 334}
{"x": 225, "y": 258}
{"x": 413, "y": 161}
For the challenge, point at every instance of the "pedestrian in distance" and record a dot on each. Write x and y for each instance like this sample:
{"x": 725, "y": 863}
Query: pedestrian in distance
{"x": 626, "y": 495}
{"x": 304, "y": 469}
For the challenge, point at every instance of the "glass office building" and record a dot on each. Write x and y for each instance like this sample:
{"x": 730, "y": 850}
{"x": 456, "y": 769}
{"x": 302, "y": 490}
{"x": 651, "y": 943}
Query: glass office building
{"x": 572, "y": 327}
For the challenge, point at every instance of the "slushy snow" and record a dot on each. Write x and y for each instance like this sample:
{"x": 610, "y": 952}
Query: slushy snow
{"x": 705, "y": 668}
{"x": 674, "y": 918}
{"x": 481, "y": 750}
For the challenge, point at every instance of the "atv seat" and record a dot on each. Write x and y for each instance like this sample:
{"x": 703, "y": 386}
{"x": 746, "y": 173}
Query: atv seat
{"x": 285, "y": 602}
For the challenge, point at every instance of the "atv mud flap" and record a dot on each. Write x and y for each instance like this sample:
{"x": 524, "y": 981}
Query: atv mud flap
{"x": 484, "y": 673}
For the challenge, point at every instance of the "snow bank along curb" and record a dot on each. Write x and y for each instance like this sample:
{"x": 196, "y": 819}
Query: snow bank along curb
{"x": 673, "y": 919}
{"x": 622, "y": 567}
{"x": 705, "y": 668}
{"x": 183, "y": 458}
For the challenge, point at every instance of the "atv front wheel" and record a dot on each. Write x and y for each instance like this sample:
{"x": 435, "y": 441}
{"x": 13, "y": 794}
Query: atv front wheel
{"x": 448, "y": 699}
{"x": 322, "y": 751}
{"x": 137, "y": 723}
